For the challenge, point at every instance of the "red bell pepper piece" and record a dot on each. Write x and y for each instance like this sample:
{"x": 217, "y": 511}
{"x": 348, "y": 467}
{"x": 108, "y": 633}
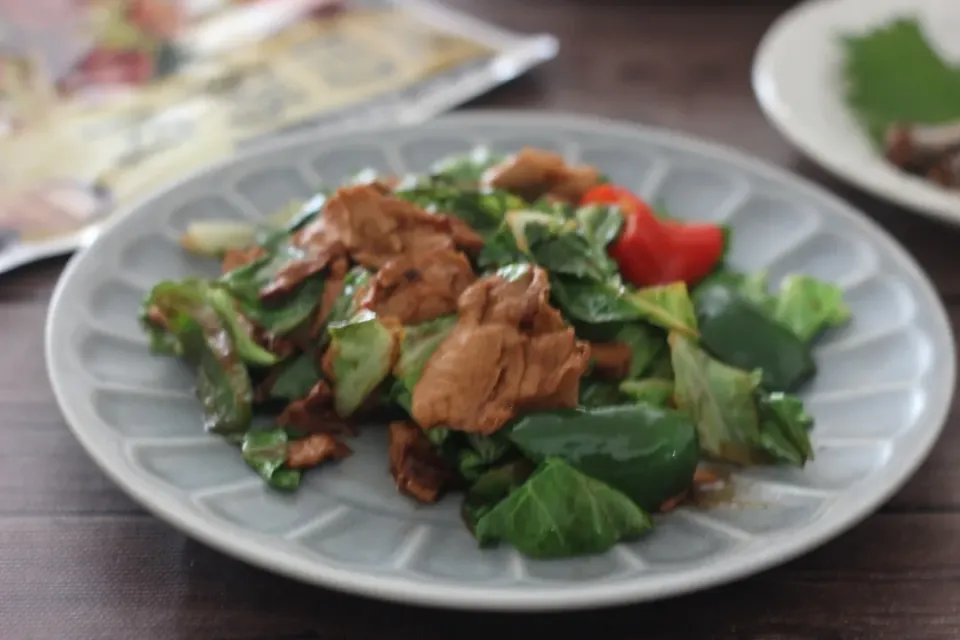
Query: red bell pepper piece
{"x": 650, "y": 251}
{"x": 612, "y": 194}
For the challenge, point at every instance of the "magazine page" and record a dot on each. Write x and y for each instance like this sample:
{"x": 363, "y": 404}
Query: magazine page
{"x": 119, "y": 97}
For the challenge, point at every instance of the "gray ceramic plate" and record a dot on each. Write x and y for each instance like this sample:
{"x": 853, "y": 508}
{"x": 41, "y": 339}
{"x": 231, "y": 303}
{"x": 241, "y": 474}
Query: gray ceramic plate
{"x": 879, "y": 400}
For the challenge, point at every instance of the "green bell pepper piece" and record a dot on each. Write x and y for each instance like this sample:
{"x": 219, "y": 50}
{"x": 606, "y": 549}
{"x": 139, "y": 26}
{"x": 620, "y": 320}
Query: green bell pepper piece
{"x": 247, "y": 348}
{"x": 740, "y": 334}
{"x": 199, "y": 335}
{"x": 647, "y": 452}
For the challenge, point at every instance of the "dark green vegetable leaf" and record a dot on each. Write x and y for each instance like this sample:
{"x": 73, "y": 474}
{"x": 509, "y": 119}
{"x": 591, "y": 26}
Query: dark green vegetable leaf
{"x": 223, "y": 388}
{"x": 574, "y": 245}
{"x": 804, "y": 305}
{"x": 599, "y": 393}
{"x": 501, "y": 249}
{"x": 808, "y": 306}
{"x": 265, "y": 451}
{"x": 599, "y": 225}
{"x": 492, "y": 487}
{"x": 559, "y": 512}
{"x": 466, "y": 169}
{"x": 787, "y": 408}
{"x": 180, "y": 329}
{"x": 346, "y": 304}
{"x": 740, "y": 334}
{"x": 752, "y": 286}
{"x": 245, "y": 283}
{"x": 662, "y": 366}
{"x": 649, "y": 453}
{"x": 646, "y": 342}
{"x": 736, "y": 421}
{"x": 653, "y": 391}
{"x": 480, "y": 453}
{"x": 720, "y": 399}
{"x": 453, "y": 448}
{"x": 594, "y": 302}
{"x": 438, "y": 436}
{"x": 784, "y": 428}
{"x": 483, "y": 209}
{"x": 565, "y": 252}
{"x": 200, "y": 337}
{"x": 296, "y": 378}
{"x": 668, "y": 306}
{"x": 398, "y": 394}
{"x": 292, "y": 313}
{"x": 249, "y": 350}
{"x": 893, "y": 75}
{"x": 559, "y": 238}
{"x": 363, "y": 351}
{"x": 471, "y": 455}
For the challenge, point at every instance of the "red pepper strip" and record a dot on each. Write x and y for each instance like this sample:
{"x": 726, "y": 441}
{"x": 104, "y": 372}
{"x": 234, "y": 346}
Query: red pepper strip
{"x": 612, "y": 194}
{"x": 650, "y": 251}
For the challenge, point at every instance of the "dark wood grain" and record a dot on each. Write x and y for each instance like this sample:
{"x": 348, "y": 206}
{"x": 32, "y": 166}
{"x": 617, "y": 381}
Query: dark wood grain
{"x": 80, "y": 561}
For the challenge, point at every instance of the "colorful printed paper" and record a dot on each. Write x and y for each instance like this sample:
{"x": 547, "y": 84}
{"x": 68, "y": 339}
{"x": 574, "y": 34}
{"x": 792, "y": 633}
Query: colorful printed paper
{"x": 116, "y": 98}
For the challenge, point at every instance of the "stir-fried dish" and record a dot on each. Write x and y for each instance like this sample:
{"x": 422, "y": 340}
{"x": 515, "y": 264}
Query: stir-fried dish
{"x": 539, "y": 340}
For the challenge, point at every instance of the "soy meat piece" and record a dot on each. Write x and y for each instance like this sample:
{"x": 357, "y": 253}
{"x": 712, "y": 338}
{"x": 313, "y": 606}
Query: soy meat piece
{"x": 510, "y": 352}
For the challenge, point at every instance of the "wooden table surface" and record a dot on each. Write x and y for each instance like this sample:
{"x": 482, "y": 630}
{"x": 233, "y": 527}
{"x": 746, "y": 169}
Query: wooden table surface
{"x": 80, "y": 561}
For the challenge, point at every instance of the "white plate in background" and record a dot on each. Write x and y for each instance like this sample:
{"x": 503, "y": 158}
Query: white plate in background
{"x": 797, "y": 78}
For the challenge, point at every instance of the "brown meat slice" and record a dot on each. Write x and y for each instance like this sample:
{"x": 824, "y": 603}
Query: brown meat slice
{"x": 314, "y": 449}
{"x": 509, "y": 352}
{"x": 371, "y": 227}
{"x": 419, "y": 287}
{"x": 314, "y": 413}
{"x": 611, "y": 360}
{"x": 554, "y": 364}
{"x": 574, "y": 182}
{"x": 460, "y": 383}
{"x": 374, "y": 228}
{"x": 529, "y": 173}
{"x": 533, "y": 173}
{"x": 522, "y": 303}
{"x": 416, "y": 468}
